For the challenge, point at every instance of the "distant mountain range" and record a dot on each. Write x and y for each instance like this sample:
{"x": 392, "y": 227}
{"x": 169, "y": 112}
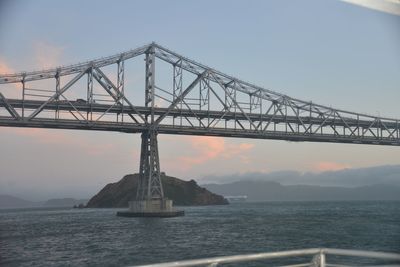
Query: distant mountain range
{"x": 274, "y": 191}
{"x": 389, "y": 175}
{"x": 8, "y": 202}
{"x": 373, "y": 183}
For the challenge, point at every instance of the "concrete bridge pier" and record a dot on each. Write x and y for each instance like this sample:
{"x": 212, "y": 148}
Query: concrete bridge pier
{"x": 150, "y": 200}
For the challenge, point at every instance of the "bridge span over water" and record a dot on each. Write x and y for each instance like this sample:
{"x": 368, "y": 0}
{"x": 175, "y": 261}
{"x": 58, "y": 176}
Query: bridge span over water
{"x": 176, "y": 95}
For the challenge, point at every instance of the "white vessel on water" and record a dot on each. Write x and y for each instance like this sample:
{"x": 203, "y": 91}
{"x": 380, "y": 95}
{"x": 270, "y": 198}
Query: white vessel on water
{"x": 233, "y": 199}
{"x": 314, "y": 257}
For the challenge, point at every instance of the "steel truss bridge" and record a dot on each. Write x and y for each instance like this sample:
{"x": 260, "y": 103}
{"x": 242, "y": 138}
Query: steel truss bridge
{"x": 180, "y": 96}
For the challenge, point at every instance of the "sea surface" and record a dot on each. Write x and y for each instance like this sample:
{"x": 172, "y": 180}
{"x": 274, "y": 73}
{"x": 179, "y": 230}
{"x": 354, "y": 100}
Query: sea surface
{"x": 96, "y": 237}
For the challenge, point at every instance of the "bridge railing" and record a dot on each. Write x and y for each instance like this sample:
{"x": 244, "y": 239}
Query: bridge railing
{"x": 315, "y": 257}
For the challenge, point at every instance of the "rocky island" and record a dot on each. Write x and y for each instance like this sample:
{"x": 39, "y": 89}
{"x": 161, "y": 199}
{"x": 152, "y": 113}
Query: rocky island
{"x": 183, "y": 193}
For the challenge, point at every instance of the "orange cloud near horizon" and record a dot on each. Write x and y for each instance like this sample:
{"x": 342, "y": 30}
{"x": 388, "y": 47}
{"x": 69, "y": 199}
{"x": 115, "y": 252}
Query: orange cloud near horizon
{"x": 5, "y": 68}
{"x": 208, "y": 148}
{"x": 62, "y": 140}
{"x": 325, "y": 166}
{"x": 10, "y": 90}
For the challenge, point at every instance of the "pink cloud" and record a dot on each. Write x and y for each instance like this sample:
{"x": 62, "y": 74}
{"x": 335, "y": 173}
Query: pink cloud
{"x": 96, "y": 150}
{"x": 40, "y": 135}
{"x": 237, "y": 150}
{"x": 9, "y": 90}
{"x": 47, "y": 55}
{"x": 208, "y": 148}
{"x": 330, "y": 166}
{"x": 5, "y": 68}
{"x": 62, "y": 140}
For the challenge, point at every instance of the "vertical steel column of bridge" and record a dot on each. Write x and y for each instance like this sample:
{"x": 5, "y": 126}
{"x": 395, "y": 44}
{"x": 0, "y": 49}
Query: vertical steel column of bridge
{"x": 150, "y": 186}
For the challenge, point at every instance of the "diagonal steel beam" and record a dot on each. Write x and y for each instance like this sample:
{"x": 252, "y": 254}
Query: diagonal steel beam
{"x": 180, "y": 98}
{"x": 387, "y": 129}
{"x": 273, "y": 115}
{"x": 57, "y": 94}
{"x": 216, "y": 95}
{"x": 322, "y": 123}
{"x": 296, "y": 113}
{"x": 234, "y": 101}
{"x": 343, "y": 120}
{"x": 98, "y": 75}
{"x": 285, "y": 116}
{"x": 197, "y": 117}
{"x": 365, "y": 130}
{"x": 9, "y": 108}
{"x": 266, "y": 113}
{"x": 76, "y": 110}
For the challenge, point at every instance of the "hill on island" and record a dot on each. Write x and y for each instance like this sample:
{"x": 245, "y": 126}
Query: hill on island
{"x": 183, "y": 193}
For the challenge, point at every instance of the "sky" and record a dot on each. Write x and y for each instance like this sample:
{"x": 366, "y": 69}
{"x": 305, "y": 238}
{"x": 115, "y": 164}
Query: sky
{"x": 335, "y": 53}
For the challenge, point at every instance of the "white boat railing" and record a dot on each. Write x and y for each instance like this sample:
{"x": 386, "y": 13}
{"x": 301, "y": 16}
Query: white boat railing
{"x": 317, "y": 258}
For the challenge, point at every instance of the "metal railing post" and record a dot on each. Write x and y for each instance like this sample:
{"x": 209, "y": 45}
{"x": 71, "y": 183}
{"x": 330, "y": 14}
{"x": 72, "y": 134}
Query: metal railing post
{"x": 322, "y": 259}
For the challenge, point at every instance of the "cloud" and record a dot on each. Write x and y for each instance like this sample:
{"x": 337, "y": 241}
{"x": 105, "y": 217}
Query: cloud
{"x": 5, "y": 68}
{"x": 47, "y": 55}
{"x": 99, "y": 150}
{"x": 39, "y": 135}
{"x": 9, "y": 90}
{"x": 62, "y": 140}
{"x": 207, "y": 148}
{"x": 238, "y": 151}
{"x": 330, "y": 166}
{"x": 387, "y": 6}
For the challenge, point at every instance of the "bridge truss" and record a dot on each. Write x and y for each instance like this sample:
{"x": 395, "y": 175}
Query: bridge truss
{"x": 180, "y": 96}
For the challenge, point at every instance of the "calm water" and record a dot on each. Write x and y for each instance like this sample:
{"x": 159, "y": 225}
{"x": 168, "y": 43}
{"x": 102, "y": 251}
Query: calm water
{"x": 88, "y": 237}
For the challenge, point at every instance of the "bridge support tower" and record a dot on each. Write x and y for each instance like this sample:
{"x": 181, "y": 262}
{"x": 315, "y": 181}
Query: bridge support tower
{"x": 150, "y": 200}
